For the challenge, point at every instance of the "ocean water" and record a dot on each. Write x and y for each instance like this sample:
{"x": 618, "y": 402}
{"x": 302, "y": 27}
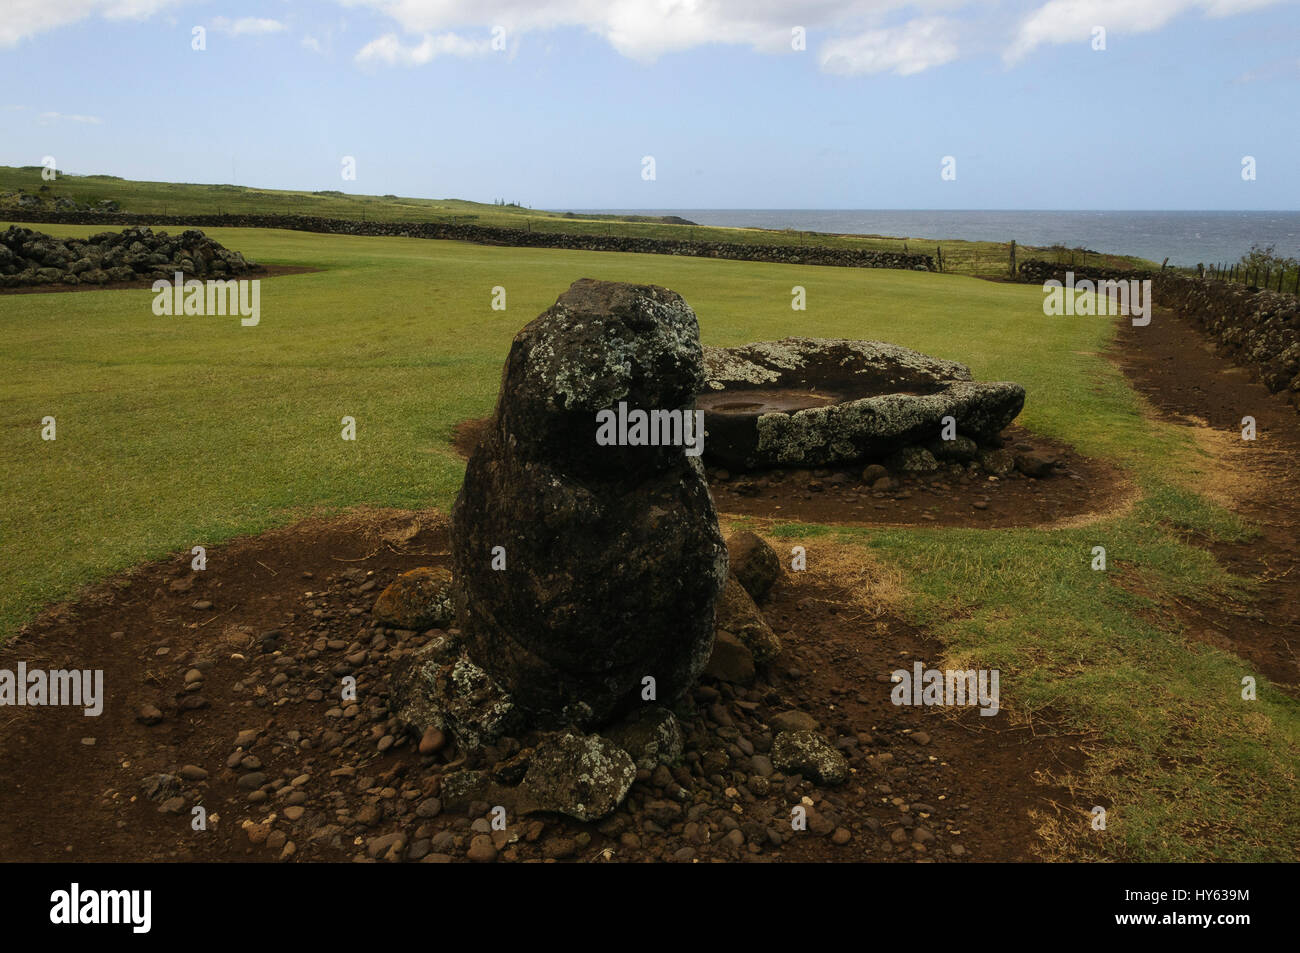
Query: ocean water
{"x": 1186, "y": 238}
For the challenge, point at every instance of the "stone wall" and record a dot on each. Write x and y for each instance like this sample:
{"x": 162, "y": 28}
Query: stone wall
{"x": 1036, "y": 271}
{"x": 492, "y": 235}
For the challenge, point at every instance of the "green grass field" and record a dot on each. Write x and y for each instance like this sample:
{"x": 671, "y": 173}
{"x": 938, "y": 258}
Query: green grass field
{"x": 960, "y": 257}
{"x": 174, "y": 432}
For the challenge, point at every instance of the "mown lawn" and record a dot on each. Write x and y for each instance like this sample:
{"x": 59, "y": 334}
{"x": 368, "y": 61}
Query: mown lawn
{"x": 179, "y": 431}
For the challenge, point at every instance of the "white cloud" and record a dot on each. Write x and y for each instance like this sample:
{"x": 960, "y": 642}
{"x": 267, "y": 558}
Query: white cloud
{"x": 48, "y": 118}
{"x": 644, "y": 30}
{"x": 390, "y": 50}
{"x": 911, "y": 48}
{"x": 246, "y": 26}
{"x": 26, "y": 18}
{"x": 1072, "y": 21}
{"x": 851, "y": 37}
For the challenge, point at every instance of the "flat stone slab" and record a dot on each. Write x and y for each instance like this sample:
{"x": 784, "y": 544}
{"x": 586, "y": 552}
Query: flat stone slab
{"x": 804, "y": 402}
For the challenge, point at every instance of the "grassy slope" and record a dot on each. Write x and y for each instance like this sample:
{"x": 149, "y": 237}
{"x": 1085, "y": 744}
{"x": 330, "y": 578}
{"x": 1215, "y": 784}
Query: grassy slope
{"x": 174, "y": 432}
{"x": 983, "y": 258}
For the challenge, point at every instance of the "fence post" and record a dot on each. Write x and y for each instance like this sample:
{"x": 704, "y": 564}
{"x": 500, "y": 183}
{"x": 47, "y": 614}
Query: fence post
{"x": 1013, "y": 265}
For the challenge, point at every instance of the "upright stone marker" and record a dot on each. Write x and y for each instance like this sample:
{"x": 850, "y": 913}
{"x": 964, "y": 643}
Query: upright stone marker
{"x": 614, "y": 558}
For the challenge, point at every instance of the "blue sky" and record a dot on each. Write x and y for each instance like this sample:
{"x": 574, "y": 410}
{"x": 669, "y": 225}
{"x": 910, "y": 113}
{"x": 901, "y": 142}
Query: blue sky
{"x": 712, "y": 89}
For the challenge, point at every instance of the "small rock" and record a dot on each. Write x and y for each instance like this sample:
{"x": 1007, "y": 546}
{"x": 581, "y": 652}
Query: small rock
{"x": 419, "y": 599}
{"x": 793, "y": 721}
{"x": 433, "y": 741}
{"x": 754, "y": 563}
{"x": 251, "y": 781}
{"x": 730, "y": 661}
{"x": 806, "y": 753}
{"x": 873, "y": 474}
{"x": 583, "y": 776}
{"x": 1035, "y": 463}
{"x": 482, "y": 850}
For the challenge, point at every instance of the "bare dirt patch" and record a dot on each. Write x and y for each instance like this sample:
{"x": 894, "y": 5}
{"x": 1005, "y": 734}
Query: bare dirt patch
{"x": 1081, "y": 490}
{"x": 266, "y": 632}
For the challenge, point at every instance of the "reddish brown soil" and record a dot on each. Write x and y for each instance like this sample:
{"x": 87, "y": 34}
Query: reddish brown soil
{"x": 264, "y": 271}
{"x": 1179, "y": 371}
{"x": 65, "y": 800}
{"x": 1080, "y": 489}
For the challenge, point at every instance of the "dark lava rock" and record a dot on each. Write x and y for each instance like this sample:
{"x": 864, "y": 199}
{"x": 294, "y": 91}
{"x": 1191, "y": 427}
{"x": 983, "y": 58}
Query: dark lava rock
{"x": 807, "y": 753}
{"x": 754, "y": 563}
{"x": 738, "y": 615}
{"x": 440, "y": 687}
{"x": 614, "y": 555}
{"x": 585, "y": 777}
{"x": 160, "y": 787}
{"x": 813, "y": 401}
{"x": 959, "y": 449}
{"x": 998, "y": 462}
{"x": 1035, "y": 463}
{"x": 731, "y": 661}
{"x": 874, "y": 473}
{"x": 651, "y": 735}
{"x": 913, "y": 460}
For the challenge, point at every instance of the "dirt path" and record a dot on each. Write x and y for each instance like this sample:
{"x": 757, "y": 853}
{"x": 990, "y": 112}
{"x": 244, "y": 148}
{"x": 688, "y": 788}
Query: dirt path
{"x": 1178, "y": 370}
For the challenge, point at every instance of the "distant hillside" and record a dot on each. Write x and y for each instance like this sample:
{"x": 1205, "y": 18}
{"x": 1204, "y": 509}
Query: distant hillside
{"x": 175, "y": 198}
{"x": 24, "y": 187}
